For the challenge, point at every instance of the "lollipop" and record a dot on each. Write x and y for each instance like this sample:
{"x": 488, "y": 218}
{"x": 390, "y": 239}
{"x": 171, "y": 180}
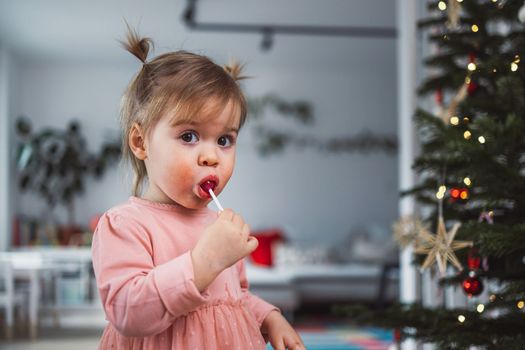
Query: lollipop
{"x": 208, "y": 187}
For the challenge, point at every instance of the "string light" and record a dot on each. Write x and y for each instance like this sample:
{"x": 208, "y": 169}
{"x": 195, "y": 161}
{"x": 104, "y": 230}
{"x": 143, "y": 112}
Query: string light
{"x": 467, "y": 80}
{"x": 494, "y": 70}
{"x": 442, "y": 5}
{"x": 471, "y": 66}
{"x": 454, "y": 120}
{"x": 463, "y": 195}
{"x": 480, "y": 308}
{"x": 461, "y": 318}
{"x": 481, "y": 139}
{"x": 492, "y": 297}
{"x": 521, "y": 304}
{"x": 459, "y": 0}
{"x": 474, "y": 28}
{"x": 466, "y": 120}
{"x": 441, "y": 192}
{"x": 467, "y": 135}
{"x": 467, "y": 181}
{"x": 514, "y": 64}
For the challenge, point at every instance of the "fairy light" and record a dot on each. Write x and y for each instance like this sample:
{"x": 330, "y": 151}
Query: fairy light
{"x": 513, "y": 66}
{"x": 471, "y": 66}
{"x": 467, "y": 80}
{"x": 521, "y": 304}
{"x": 481, "y": 139}
{"x": 463, "y": 195}
{"x": 459, "y": 0}
{"x": 467, "y": 181}
{"x": 517, "y": 59}
{"x": 442, "y": 5}
{"x": 461, "y": 318}
{"x": 467, "y": 135}
{"x": 474, "y": 28}
{"x": 466, "y": 120}
{"x": 492, "y": 297}
{"x": 441, "y": 192}
{"x": 480, "y": 308}
{"x": 454, "y": 120}
{"x": 494, "y": 70}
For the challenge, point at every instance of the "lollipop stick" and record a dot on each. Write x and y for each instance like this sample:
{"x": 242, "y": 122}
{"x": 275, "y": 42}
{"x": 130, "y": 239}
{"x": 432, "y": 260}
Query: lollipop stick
{"x": 216, "y": 200}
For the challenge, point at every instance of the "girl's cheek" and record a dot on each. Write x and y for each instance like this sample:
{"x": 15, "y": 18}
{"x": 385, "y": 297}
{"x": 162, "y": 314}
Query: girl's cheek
{"x": 183, "y": 174}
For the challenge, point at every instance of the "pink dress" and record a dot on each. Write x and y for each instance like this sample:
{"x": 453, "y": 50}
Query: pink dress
{"x": 144, "y": 275}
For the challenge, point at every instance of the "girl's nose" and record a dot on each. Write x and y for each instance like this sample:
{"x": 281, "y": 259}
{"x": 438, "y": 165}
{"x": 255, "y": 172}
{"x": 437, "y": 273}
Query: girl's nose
{"x": 208, "y": 157}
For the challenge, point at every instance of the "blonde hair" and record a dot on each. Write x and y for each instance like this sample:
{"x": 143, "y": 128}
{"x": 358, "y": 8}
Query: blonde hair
{"x": 177, "y": 82}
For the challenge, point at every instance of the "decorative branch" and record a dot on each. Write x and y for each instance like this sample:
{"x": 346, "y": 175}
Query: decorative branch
{"x": 54, "y": 163}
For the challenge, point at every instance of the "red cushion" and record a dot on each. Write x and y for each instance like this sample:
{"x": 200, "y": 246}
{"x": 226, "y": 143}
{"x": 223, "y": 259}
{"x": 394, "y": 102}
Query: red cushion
{"x": 263, "y": 255}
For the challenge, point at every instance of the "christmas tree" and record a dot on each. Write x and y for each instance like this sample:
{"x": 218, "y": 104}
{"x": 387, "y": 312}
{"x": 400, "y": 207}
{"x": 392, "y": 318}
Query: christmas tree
{"x": 471, "y": 170}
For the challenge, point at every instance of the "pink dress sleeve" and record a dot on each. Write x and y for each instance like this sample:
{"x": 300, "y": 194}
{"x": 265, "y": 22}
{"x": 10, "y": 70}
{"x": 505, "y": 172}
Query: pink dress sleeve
{"x": 259, "y": 308}
{"x": 140, "y": 299}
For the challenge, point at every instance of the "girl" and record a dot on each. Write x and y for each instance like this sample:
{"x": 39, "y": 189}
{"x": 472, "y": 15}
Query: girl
{"x": 170, "y": 272}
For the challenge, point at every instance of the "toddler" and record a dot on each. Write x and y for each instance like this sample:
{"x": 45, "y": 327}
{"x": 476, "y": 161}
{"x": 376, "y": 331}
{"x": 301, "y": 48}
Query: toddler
{"x": 170, "y": 271}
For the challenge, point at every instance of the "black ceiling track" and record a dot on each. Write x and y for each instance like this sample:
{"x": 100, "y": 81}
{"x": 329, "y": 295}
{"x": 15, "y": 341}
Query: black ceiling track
{"x": 269, "y": 30}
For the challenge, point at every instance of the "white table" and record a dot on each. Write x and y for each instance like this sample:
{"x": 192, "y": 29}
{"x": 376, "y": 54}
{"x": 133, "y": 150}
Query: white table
{"x": 29, "y": 264}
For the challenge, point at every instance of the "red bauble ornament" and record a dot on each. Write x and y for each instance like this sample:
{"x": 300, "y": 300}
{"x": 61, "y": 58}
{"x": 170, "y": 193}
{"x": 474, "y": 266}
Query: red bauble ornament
{"x": 472, "y": 286}
{"x": 473, "y": 259}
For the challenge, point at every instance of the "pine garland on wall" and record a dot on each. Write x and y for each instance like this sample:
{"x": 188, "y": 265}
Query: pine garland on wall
{"x": 271, "y": 140}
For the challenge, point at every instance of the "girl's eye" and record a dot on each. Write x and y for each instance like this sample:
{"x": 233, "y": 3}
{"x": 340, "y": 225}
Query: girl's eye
{"x": 189, "y": 137}
{"x": 225, "y": 141}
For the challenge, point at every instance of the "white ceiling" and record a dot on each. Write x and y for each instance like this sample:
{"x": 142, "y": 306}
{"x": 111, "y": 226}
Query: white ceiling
{"x": 89, "y": 30}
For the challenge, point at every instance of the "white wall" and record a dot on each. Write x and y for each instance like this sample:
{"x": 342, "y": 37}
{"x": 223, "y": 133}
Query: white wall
{"x": 4, "y": 147}
{"x": 315, "y": 196}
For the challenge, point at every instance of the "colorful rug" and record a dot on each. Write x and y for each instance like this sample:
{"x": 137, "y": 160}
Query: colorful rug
{"x": 345, "y": 337}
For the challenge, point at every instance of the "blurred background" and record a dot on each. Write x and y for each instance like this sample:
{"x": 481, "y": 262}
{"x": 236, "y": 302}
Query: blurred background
{"x": 318, "y": 160}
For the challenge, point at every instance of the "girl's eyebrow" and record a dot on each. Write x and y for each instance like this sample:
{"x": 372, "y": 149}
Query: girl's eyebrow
{"x": 193, "y": 123}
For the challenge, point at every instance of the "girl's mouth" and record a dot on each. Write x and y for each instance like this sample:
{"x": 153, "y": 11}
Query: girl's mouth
{"x": 209, "y": 183}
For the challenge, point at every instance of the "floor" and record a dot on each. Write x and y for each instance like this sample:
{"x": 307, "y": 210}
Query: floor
{"x": 63, "y": 339}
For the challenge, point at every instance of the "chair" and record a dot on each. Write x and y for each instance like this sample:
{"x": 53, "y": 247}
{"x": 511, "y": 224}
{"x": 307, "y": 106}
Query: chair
{"x": 9, "y": 296}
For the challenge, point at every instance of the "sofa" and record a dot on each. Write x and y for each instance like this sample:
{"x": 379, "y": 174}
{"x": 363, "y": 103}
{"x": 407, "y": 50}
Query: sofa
{"x": 363, "y": 270}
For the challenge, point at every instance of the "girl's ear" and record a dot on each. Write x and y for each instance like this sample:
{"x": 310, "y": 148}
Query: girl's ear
{"x": 137, "y": 142}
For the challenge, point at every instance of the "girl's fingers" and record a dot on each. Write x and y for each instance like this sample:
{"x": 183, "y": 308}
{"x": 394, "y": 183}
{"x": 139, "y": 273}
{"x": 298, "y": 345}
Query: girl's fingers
{"x": 246, "y": 230}
{"x": 227, "y": 214}
{"x": 238, "y": 221}
{"x": 278, "y": 344}
{"x": 252, "y": 244}
{"x": 293, "y": 343}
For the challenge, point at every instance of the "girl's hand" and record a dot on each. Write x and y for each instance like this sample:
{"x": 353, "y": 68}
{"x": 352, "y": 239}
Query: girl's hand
{"x": 280, "y": 333}
{"x": 221, "y": 245}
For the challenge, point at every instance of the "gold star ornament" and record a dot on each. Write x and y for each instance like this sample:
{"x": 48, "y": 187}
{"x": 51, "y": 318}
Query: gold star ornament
{"x": 441, "y": 246}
